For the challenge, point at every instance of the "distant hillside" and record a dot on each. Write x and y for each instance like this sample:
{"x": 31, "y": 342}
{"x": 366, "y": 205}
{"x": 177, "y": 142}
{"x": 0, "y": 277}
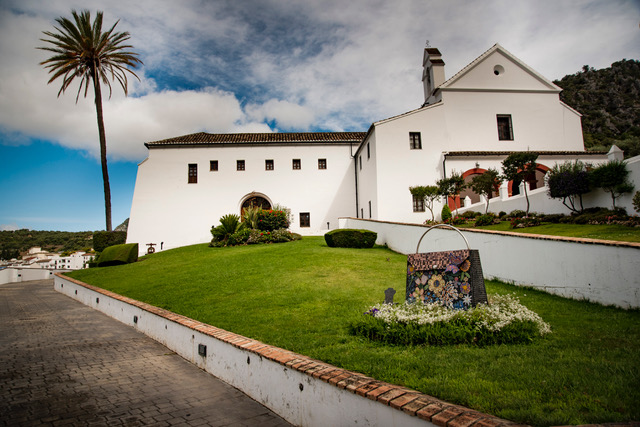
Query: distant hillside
{"x": 609, "y": 100}
{"x": 14, "y": 243}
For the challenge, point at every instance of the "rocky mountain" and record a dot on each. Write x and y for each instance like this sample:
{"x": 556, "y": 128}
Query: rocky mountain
{"x": 609, "y": 100}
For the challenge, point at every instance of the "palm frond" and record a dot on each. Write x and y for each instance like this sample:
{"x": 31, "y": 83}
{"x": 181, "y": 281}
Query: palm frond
{"x": 82, "y": 50}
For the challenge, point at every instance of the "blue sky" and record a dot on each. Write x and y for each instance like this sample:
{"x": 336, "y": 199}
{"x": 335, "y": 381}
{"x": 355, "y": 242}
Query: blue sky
{"x": 255, "y": 66}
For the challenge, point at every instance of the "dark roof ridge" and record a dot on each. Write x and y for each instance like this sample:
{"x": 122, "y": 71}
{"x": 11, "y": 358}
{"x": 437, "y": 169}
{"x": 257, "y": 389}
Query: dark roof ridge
{"x": 265, "y": 137}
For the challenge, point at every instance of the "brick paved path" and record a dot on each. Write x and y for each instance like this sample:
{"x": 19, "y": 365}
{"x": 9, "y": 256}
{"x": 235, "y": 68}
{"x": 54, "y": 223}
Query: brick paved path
{"x": 62, "y": 363}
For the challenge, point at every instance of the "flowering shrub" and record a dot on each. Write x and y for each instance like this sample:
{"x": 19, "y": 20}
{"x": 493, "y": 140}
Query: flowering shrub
{"x": 456, "y": 220}
{"x": 503, "y": 321}
{"x": 272, "y": 220}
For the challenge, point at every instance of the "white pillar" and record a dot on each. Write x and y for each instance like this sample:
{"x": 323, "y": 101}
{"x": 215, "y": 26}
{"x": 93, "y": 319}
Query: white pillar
{"x": 504, "y": 190}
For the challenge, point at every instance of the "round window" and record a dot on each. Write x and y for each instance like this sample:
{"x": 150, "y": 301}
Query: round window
{"x": 498, "y": 69}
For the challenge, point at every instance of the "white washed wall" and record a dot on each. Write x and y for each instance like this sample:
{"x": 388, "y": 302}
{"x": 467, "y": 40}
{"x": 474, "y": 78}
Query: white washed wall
{"x": 9, "y": 275}
{"x": 592, "y": 270}
{"x": 167, "y": 209}
{"x": 298, "y": 398}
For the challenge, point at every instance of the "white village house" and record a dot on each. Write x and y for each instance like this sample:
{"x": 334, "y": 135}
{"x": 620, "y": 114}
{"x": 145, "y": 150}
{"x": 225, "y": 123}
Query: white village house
{"x": 492, "y": 107}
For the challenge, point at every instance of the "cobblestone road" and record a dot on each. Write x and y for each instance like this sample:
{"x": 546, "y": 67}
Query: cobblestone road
{"x": 62, "y": 363}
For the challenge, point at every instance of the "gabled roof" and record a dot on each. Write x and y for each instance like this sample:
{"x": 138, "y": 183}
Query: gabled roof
{"x": 498, "y": 48}
{"x": 203, "y": 138}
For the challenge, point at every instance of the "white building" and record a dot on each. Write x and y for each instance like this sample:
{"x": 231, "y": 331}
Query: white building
{"x": 494, "y": 106}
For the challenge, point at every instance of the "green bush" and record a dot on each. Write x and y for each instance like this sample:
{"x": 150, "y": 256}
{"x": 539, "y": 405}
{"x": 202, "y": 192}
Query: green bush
{"x": 471, "y": 214}
{"x": 598, "y": 216}
{"x": 350, "y": 238}
{"x": 118, "y": 254}
{"x": 272, "y": 220}
{"x": 104, "y": 239}
{"x": 239, "y": 237}
{"x": 229, "y": 225}
{"x": 486, "y": 219}
{"x": 502, "y": 214}
{"x": 524, "y": 222}
{"x": 445, "y": 215}
{"x": 517, "y": 213}
{"x": 636, "y": 201}
{"x": 552, "y": 218}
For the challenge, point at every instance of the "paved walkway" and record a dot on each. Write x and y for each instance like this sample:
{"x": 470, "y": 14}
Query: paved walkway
{"x": 62, "y": 363}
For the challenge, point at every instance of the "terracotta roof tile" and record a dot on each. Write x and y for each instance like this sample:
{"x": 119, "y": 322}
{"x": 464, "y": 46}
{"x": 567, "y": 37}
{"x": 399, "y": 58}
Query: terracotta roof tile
{"x": 506, "y": 153}
{"x": 203, "y": 138}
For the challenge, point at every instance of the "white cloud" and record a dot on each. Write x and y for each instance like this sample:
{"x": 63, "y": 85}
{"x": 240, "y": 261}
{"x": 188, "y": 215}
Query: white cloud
{"x": 222, "y": 67}
{"x": 289, "y": 115}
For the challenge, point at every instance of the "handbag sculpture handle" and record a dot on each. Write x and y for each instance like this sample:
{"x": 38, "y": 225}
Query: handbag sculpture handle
{"x": 442, "y": 225}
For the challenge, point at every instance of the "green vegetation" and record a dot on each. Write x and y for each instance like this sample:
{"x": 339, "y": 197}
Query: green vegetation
{"x": 303, "y": 295}
{"x": 349, "y": 238}
{"x": 614, "y": 120}
{"x": 14, "y": 242}
{"x": 104, "y": 239}
{"x": 617, "y": 232}
{"x": 118, "y": 255}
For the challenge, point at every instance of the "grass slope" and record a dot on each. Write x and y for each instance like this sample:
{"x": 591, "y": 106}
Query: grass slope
{"x": 301, "y": 296}
{"x": 603, "y": 232}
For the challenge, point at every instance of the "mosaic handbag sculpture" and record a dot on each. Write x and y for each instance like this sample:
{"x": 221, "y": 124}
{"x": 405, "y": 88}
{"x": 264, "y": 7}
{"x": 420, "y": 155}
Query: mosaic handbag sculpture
{"x": 450, "y": 278}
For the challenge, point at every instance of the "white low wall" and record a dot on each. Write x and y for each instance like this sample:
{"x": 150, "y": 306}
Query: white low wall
{"x": 539, "y": 200}
{"x": 600, "y": 271}
{"x": 288, "y": 385}
{"x": 10, "y": 275}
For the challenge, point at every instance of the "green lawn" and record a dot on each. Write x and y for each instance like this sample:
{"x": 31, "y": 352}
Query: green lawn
{"x": 603, "y": 232}
{"x": 302, "y": 295}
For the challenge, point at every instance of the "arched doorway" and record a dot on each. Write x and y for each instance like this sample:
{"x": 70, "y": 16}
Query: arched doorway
{"x": 535, "y": 180}
{"x": 468, "y": 177}
{"x": 255, "y": 200}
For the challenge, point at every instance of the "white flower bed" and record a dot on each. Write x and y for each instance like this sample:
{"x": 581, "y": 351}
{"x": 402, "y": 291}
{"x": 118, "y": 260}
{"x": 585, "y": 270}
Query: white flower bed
{"x": 501, "y": 311}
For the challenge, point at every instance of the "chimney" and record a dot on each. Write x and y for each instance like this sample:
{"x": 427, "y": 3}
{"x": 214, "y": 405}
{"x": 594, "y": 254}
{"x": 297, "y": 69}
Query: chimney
{"x": 432, "y": 74}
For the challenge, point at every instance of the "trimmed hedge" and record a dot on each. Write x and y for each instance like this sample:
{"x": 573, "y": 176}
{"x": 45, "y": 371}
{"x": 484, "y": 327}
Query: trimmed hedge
{"x": 118, "y": 254}
{"x": 104, "y": 239}
{"x": 350, "y": 238}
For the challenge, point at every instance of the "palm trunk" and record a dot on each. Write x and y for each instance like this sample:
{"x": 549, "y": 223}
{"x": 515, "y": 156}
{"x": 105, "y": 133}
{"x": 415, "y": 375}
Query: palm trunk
{"x": 103, "y": 151}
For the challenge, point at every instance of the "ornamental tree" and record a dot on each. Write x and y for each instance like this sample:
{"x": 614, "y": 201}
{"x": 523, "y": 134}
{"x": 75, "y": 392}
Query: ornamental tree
{"x": 518, "y": 166}
{"x": 612, "y": 177}
{"x": 451, "y": 187}
{"x": 486, "y": 184}
{"x": 428, "y": 193}
{"x": 569, "y": 181}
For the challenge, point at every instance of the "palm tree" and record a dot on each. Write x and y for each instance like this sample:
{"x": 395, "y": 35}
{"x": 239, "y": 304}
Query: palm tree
{"x": 83, "y": 50}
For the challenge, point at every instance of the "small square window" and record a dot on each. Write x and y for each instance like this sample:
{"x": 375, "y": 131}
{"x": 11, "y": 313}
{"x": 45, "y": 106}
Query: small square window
{"x": 360, "y": 161}
{"x": 193, "y": 173}
{"x": 418, "y": 204}
{"x": 268, "y": 165}
{"x": 368, "y": 152}
{"x": 213, "y": 165}
{"x": 505, "y": 129}
{"x": 240, "y": 165}
{"x": 369, "y": 208}
{"x": 415, "y": 141}
{"x": 305, "y": 219}
{"x": 322, "y": 163}
{"x": 296, "y": 164}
